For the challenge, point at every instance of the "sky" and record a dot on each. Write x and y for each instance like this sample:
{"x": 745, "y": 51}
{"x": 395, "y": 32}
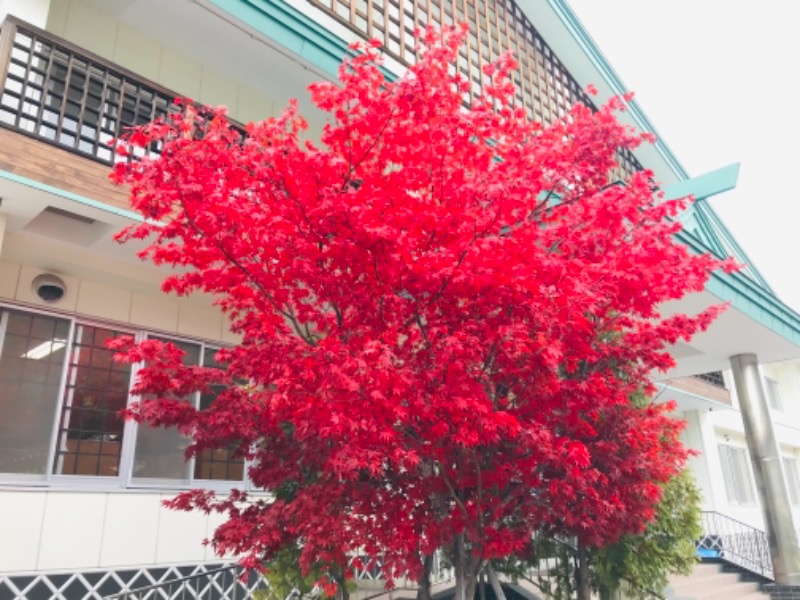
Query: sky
{"x": 720, "y": 81}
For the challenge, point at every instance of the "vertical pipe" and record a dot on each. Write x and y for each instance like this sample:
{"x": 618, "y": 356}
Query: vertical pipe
{"x": 766, "y": 458}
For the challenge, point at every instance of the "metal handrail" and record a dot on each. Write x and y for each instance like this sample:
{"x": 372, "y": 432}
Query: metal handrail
{"x": 735, "y": 542}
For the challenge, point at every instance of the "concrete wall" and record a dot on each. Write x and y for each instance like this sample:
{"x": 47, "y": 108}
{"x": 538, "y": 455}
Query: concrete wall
{"x": 32, "y": 11}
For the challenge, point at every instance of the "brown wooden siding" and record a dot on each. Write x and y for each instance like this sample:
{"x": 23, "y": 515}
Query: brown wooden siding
{"x": 43, "y": 162}
{"x": 699, "y": 387}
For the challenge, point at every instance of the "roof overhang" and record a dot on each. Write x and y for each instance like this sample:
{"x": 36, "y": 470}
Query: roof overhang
{"x": 56, "y": 230}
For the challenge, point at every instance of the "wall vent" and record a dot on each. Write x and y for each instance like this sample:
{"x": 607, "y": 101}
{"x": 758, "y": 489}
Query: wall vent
{"x": 69, "y": 215}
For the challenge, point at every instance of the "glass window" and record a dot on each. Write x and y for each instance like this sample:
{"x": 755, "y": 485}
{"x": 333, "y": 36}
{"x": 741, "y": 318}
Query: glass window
{"x": 90, "y": 429}
{"x": 160, "y": 451}
{"x": 792, "y": 482}
{"x": 216, "y": 463}
{"x": 735, "y": 470}
{"x": 61, "y": 392}
{"x": 773, "y": 394}
{"x": 32, "y": 353}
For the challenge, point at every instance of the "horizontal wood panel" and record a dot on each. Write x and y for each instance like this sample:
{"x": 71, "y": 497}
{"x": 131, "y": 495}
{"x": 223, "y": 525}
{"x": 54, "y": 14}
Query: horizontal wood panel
{"x": 698, "y": 387}
{"x": 43, "y": 162}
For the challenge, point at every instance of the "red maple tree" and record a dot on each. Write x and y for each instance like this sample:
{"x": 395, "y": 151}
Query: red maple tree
{"x": 444, "y": 314}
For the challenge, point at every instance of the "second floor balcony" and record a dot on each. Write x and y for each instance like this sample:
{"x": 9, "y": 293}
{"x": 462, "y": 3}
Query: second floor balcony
{"x": 62, "y": 108}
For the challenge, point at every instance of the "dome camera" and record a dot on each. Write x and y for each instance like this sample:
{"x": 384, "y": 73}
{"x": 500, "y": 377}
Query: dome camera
{"x": 49, "y": 288}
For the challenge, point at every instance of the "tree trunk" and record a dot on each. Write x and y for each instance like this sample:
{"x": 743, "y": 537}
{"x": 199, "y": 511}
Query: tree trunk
{"x": 342, "y": 593}
{"x": 482, "y": 584}
{"x": 584, "y": 587}
{"x": 424, "y": 590}
{"x": 466, "y": 569}
{"x": 498, "y": 589}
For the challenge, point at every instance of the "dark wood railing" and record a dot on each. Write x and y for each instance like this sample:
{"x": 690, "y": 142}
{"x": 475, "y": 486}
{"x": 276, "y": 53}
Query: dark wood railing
{"x": 714, "y": 379}
{"x": 69, "y": 97}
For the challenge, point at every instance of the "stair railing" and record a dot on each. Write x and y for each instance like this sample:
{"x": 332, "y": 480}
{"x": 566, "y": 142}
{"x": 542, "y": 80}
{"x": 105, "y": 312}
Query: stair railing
{"x": 734, "y": 542}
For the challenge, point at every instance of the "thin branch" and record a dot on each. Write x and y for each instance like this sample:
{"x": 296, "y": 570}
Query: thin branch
{"x": 252, "y": 280}
{"x": 450, "y": 487}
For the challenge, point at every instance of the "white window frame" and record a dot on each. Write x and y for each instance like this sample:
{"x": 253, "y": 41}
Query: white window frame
{"x": 90, "y": 481}
{"x": 45, "y": 479}
{"x": 190, "y": 481}
{"x": 792, "y": 478}
{"x": 773, "y": 393}
{"x": 734, "y": 484}
{"x": 124, "y": 479}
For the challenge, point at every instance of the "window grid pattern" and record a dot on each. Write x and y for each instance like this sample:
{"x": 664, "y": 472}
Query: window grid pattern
{"x": 160, "y": 451}
{"x": 76, "y": 103}
{"x": 543, "y": 85}
{"x": 735, "y": 471}
{"x": 216, "y": 463}
{"x": 90, "y": 428}
{"x": 32, "y": 349}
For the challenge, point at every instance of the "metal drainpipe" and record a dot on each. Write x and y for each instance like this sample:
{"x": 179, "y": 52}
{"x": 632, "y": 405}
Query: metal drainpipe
{"x": 766, "y": 457}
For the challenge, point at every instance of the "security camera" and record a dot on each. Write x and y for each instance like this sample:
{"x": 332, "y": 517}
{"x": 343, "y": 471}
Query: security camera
{"x": 49, "y": 288}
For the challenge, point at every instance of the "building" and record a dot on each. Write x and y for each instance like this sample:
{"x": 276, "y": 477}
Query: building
{"x": 80, "y": 492}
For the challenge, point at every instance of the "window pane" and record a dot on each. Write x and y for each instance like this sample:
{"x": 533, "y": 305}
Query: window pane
{"x": 792, "y": 483}
{"x": 31, "y": 365}
{"x": 736, "y": 473}
{"x": 216, "y": 463}
{"x": 773, "y": 394}
{"x": 159, "y": 451}
{"x": 90, "y": 430}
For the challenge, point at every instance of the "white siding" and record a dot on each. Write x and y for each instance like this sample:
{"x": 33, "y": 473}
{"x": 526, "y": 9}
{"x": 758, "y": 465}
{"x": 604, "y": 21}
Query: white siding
{"x": 54, "y": 530}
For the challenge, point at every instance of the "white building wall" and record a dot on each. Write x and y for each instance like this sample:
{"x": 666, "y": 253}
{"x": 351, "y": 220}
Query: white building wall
{"x": 99, "y": 32}
{"x": 78, "y": 523}
{"x": 699, "y": 434}
{"x": 194, "y": 317}
{"x": 727, "y": 427}
{"x": 54, "y": 530}
{"x": 33, "y": 11}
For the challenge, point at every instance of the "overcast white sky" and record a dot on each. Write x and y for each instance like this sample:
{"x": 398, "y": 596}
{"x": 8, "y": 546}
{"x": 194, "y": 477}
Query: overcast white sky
{"x": 720, "y": 80}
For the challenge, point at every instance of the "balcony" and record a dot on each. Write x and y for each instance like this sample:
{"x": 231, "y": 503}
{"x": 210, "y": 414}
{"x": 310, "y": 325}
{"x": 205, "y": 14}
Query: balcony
{"x": 714, "y": 378}
{"x": 710, "y": 386}
{"x": 61, "y": 108}
{"x": 68, "y": 97}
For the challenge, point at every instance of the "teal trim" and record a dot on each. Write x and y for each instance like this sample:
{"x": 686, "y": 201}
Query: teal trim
{"x": 708, "y": 227}
{"x": 290, "y": 28}
{"x": 703, "y": 186}
{"x": 747, "y": 296}
{"x": 592, "y": 51}
{"x": 295, "y": 31}
{"x": 38, "y": 185}
{"x": 708, "y": 233}
{"x": 730, "y": 243}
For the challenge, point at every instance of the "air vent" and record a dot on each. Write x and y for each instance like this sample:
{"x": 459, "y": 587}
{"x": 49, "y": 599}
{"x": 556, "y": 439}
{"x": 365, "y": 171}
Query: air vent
{"x": 67, "y": 226}
{"x": 69, "y": 215}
